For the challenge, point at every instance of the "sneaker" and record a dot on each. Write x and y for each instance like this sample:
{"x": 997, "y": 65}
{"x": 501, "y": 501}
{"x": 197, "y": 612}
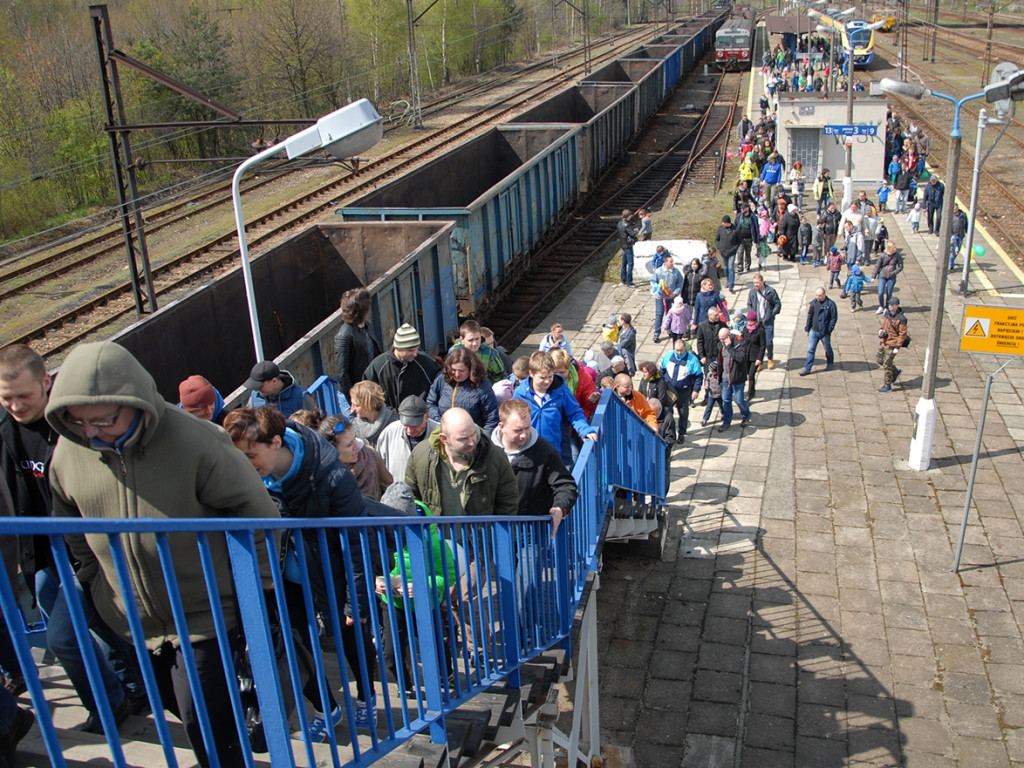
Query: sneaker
{"x": 885, "y": 388}
{"x": 366, "y": 715}
{"x": 703, "y": 423}
{"x": 829, "y": 367}
{"x": 723, "y": 428}
{"x": 771, "y": 364}
{"x": 805, "y": 371}
{"x": 93, "y": 724}
{"x": 657, "y": 339}
{"x": 317, "y": 728}
{"x": 880, "y": 310}
{"x": 853, "y": 309}
{"x": 21, "y": 724}
{"x": 745, "y": 422}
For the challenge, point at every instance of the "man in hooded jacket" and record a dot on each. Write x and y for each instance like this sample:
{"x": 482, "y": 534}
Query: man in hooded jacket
{"x": 124, "y": 453}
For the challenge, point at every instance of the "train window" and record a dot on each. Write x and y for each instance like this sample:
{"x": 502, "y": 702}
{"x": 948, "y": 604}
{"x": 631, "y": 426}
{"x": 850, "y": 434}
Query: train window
{"x": 861, "y": 38}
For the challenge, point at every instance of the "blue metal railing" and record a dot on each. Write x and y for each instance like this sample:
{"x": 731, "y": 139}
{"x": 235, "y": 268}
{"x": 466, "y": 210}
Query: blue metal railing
{"x": 470, "y": 599}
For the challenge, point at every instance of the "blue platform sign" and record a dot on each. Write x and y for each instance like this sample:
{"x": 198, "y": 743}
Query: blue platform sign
{"x": 850, "y": 130}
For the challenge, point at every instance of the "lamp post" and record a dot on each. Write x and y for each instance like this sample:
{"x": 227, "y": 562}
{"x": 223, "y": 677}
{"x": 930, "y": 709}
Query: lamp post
{"x": 1004, "y": 73}
{"x": 924, "y": 431}
{"x": 830, "y": 81}
{"x": 344, "y": 133}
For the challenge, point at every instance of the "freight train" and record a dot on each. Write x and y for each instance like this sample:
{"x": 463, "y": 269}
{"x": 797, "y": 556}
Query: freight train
{"x": 446, "y": 241}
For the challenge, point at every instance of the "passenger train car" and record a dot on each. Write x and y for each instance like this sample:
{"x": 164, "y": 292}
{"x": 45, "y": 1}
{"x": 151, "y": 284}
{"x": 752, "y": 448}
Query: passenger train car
{"x": 444, "y": 242}
{"x": 734, "y": 41}
{"x": 857, "y": 34}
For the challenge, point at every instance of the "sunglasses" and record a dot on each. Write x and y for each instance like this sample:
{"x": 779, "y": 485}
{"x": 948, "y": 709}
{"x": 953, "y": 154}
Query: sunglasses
{"x": 341, "y": 426}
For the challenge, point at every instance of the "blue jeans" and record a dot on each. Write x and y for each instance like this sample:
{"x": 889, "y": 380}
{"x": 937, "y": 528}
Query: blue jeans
{"x": 730, "y": 393}
{"x": 730, "y": 270}
{"x": 955, "y": 241}
{"x": 62, "y": 642}
{"x": 659, "y": 315}
{"x": 47, "y": 585}
{"x": 769, "y": 339}
{"x": 626, "y": 270}
{"x": 823, "y": 202}
{"x": 812, "y": 344}
{"x": 885, "y": 287}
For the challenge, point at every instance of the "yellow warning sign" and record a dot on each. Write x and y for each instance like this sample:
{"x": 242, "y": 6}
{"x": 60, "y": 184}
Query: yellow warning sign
{"x": 977, "y": 330}
{"x": 992, "y": 330}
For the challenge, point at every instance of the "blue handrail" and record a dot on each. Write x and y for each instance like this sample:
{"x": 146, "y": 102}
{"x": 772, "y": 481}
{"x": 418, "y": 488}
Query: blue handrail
{"x": 474, "y": 599}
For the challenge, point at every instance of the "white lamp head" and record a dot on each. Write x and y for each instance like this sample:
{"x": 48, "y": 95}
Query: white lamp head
{"x": 344, "y": 133}
{"x": 900, "y": 88}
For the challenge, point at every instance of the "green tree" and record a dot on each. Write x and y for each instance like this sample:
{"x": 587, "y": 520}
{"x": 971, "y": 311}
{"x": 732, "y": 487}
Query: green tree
{"x": 198, "y": 56}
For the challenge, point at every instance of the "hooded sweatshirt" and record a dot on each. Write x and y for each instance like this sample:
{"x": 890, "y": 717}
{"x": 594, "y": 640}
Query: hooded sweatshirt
{"x": 169, "y": 465}
{"x": 541, "y": 475}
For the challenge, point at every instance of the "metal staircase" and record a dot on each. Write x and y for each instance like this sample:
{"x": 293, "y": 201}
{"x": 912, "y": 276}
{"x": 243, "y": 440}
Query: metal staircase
{"x": 518, "y": 619}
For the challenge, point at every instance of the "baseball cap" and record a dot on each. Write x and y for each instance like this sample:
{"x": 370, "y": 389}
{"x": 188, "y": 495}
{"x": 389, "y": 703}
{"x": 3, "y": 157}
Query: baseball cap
{"x": 262, "y": 373}
{"x": 894, "y": 301}
{"x": 412, "y": 410}
{"x": 196, "y": 392}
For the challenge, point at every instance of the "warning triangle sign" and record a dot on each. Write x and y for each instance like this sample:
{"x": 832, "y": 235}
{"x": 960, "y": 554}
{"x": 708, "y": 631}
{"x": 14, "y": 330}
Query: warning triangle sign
{"x": 976, "y": 330}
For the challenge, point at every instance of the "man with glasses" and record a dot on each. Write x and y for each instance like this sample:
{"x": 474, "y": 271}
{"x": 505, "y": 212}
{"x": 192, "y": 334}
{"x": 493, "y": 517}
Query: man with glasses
{"x": 26, "y": 449}
{"x": 125, "y": 453}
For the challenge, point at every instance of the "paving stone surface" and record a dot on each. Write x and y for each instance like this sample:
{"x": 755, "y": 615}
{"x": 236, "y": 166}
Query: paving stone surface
{"x": 810, "y": 615}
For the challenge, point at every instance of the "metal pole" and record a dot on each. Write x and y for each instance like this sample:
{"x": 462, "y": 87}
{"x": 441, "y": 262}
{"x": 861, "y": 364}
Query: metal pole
{"x": 132, "y": 222}
{"x": 243, "y": 245}
{"x": 969, "y": 238}
{"x": 414, "y": 70}
{"x": 924, "y": 430}
{"x": 974, "y": 467}
{"x": 848, "y": 179}
{"x": 988, "y": 45}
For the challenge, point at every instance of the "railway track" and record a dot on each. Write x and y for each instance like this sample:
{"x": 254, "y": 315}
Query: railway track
{"x": 651, "y": 172}
{"x": 958, "y": 36}
{"x": 53, "y": 259}
{"x": 111, "y": 304}
{"x": 1000, "y": 206}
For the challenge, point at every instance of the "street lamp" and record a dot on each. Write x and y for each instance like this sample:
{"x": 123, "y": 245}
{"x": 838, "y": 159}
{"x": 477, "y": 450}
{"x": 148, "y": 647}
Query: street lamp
{"x": 924, "y": 431}
{"x": 1005, "y": 91}
{"x": 344, "y": 134}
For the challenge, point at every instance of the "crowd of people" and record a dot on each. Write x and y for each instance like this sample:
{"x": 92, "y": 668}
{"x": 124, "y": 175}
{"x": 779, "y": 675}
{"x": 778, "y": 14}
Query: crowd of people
{"x": 473, "y": 433}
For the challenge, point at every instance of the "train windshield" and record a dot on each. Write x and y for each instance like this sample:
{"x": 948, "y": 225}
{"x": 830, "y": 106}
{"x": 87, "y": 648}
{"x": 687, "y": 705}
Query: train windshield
{"x": 735, "y": 40}
{"x": 860, "y": 38}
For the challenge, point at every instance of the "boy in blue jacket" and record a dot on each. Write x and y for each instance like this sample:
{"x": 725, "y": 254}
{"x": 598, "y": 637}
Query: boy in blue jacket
{"x": 854, "y": 286}
{"x": 553, "y": 407}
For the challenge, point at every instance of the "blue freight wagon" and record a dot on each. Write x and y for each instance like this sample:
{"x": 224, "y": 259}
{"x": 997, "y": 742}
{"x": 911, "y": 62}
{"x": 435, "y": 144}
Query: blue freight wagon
{"x": 672, "y": 58}
{"x": 298, "y": 283}
{"x": 688, "y": 43}
{"x": 644, "y": 73}
{"x": 607, "y": 112}
{"x": 504, "y": 189}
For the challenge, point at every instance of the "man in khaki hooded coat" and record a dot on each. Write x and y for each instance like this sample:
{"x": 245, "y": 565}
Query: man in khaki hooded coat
{"x": 125, "y": 453}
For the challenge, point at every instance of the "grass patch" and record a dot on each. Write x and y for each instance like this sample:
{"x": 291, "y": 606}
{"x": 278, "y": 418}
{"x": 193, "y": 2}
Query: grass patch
{"x": 696, "y": 216}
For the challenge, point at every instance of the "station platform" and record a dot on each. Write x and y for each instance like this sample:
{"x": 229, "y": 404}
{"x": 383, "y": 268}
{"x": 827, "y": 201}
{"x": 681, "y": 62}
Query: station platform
{"x": 805, "y": 612}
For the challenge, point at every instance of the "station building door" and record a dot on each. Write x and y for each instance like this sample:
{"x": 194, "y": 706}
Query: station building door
{"x": 804, "y": 146}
